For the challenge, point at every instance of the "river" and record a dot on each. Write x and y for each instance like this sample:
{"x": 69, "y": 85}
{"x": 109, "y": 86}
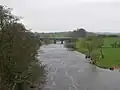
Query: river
{"x": 68, "y": 70}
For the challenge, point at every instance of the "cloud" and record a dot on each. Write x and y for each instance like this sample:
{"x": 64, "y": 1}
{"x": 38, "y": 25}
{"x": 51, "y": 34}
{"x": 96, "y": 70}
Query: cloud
{"x": 63, "y": 15}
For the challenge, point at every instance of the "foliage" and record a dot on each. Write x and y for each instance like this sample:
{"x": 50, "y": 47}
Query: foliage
{"x": 18, "y": 50}
{"x": 113, "y": 36}
{"x": 108, "y": 40}
{"x": 70, "y": 46}
{"x": 103, "y": 55}
{"x": 115, "y": 45}
{"x": 78, "y": 33}
{"x": 92, "y": 43}
{"x": 111, "y": 53}
{"x": 91, "y": 46}
{"x": 101, "y": 51}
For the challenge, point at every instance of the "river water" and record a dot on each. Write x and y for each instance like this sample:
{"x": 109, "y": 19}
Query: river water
{"x": 68, "y": 70}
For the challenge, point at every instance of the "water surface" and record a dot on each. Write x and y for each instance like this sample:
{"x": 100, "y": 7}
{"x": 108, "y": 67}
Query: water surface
{"x": 68, "y": 70}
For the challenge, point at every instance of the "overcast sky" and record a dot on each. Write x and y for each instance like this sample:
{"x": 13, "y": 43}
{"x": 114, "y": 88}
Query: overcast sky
{"x": 65, "y": 15}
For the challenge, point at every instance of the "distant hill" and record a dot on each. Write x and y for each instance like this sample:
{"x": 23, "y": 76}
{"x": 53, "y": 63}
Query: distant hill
{"x": 75, "y": 33}
{"x": 66, "y": 34}
{"x": 107, "y": 33}
{"x": 91, "y": 34}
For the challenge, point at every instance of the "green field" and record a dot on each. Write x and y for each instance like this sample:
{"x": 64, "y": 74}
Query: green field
{"x": 110, "y": 40}
{"x": 111, "y": 55}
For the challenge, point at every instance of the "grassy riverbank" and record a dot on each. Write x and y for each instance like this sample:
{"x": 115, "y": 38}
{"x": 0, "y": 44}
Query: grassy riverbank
{"x": 111, "y": 55}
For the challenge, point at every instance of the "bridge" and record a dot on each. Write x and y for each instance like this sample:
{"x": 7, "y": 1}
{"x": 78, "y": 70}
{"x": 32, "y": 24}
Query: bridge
{"x": 62, "y": 39}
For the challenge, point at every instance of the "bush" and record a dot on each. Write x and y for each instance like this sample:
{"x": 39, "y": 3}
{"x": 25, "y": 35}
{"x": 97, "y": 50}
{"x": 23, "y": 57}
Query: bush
{"x": 113, "y": 36}
{"x": 18, "y": 50}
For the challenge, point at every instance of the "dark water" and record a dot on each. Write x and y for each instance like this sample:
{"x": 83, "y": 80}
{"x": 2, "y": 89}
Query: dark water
{"x": 68, "y": 70}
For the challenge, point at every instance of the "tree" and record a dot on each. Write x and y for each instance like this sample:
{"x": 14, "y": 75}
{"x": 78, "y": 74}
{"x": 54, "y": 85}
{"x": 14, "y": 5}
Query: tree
{"x": 18, "y": 50}
{"x": 78, "y": 33}
{"x": 82, "y": 32}
{"x": 6, "y": 20}
{"x": 94, "y": 44}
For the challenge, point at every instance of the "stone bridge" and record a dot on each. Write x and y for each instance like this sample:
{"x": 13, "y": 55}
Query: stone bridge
{"x": 62, "y": 39}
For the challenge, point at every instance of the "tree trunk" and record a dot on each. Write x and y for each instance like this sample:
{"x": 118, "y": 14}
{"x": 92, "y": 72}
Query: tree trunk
{"x": 102, "y": 53}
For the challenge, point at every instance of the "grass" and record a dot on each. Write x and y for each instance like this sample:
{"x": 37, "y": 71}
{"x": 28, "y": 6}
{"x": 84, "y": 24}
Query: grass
{"x": 111, "y": 55}
{"x": 79, "y": 47}
{"x": 110, "y": 40}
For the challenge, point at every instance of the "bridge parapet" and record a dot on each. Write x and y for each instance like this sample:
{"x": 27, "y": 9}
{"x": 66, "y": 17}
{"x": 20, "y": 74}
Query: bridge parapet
{"x": 58, "y": 38}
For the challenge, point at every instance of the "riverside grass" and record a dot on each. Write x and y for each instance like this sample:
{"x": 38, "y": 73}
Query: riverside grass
{"x": 111, "y": 55}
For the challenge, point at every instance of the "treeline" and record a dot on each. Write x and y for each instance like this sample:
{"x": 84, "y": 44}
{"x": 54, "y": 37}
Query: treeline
{"x": 18, "y": 49}
{"x": 75, "y": 33}
{"x": 108, "y": 35}
{"x": 78, "y": 33}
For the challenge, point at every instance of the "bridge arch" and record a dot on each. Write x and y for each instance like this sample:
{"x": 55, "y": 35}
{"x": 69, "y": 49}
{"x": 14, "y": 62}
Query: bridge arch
{"x": 62, "y": 39}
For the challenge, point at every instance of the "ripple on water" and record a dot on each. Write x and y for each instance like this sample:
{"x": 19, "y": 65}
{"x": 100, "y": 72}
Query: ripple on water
{"x": 85, "y": 76}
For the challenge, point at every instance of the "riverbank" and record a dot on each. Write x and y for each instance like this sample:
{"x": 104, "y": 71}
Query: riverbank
{"x": 111, "y": 55}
